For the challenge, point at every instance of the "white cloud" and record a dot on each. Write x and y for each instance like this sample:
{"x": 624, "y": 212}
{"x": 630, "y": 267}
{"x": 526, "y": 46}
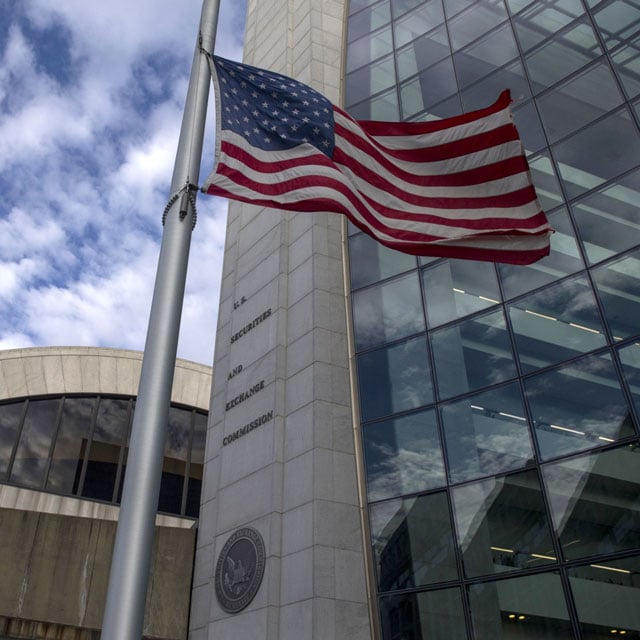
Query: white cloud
{"x": 90, "y": 106}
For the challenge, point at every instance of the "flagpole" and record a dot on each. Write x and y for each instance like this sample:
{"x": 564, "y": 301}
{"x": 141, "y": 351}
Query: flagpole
{"x": 126, "y": 594}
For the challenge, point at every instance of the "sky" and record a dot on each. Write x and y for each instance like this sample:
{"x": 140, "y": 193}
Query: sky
{"x": 91, "y": 99}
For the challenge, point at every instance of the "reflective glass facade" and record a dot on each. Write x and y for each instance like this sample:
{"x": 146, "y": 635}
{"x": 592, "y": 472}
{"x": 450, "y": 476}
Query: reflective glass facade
{"x": 499, "y": 404}
{"x": 77, "y": 445}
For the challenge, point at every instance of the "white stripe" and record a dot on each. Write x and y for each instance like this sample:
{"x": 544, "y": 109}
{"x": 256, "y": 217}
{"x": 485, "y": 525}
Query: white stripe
{"x": 434, "y": 138}
{"x": 312, "y": 191}
{"x": 353, "y": 183}
{"x": 495, "y": 187}
{"x": 473, "y": 160}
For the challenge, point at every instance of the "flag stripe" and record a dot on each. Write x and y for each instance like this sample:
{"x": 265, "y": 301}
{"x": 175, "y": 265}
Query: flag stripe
{"x": 332, "y": 187}
{"x": 254, "y": 164}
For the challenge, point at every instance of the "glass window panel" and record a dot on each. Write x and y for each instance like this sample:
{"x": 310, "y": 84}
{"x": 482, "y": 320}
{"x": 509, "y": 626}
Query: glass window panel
{"x": 457, "y": 288}
{"x": 594, "y": 502}
{"x": 428, "y": 15}
{"x": 578, "y": 407}
{"x": 383, "y": 107}
{"x": 175, "y": 459}
{"x": 616, "y": 139}
{"x": 563, "y": 260}
{"x": 608, "y": 220}
{"x": 71, "y": 445}
{"x": 32, "y": 452}
{"x": 370, "y": 80}
{"x": 555, "y": 324}
{"x": 486, "y": 433}
{"x": 357, "y": 5}
{"x": 399, "y": 7}
{"x": 423, "y": 52}
{"x": 387, "y": 311}
{"x": 626, "y": 61}
{"x": 370, "y": 48}
{"x": 436, "y": 615}
{"x": 194, "y": 487}
{"x": 527, "y": 121}
{"x": 472, "y": 354}
{"x": 562, "y": 55}
{"x": 486, "y": 92}
{"x": 542, "y": 20}
{"x": 446, "y": 108}
{"x": 618, "y": 21}
{"x": 527, "y": 608}
{"x": 432, "y": 84}
{"x": 403, "y": 456}
{"x": 485, "y": 56}
{"x": 630, "y": 359}
{"x": 517, "y": 5}
{"x": 502, "y": 524}
{"x": 579, "y": 101}
{"x": 475, "y": 22}
{"x": 370, "y": 261}
{"x": 606, "y": 597}
{"x": 394, "y": 379}
{"x": 618, "y": 285}
{"x": 112, "y": 425}
{"x": 412, "y": 542}
{"x": 545, "y": 180}
{"x": 369, "y": 20}
{"x": 10, "y": 417}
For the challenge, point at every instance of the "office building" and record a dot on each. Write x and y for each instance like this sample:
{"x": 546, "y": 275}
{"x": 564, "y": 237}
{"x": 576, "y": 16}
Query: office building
{"x": 431, "y": 448}
{"x": 65, "y": 417}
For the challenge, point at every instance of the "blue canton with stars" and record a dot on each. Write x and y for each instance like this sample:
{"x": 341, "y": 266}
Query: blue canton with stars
{"x": 271, "y": 111}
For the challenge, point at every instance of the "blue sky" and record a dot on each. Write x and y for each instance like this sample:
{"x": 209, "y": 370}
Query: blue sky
{"x": 91, "y": 97}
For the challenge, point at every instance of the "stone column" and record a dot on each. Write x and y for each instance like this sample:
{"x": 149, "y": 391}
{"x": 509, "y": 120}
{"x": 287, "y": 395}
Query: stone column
{"x": 280, "y": 452}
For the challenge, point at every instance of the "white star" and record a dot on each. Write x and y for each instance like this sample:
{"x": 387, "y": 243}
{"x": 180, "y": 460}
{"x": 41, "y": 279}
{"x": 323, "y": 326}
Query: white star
{"x": 316, "y": 130}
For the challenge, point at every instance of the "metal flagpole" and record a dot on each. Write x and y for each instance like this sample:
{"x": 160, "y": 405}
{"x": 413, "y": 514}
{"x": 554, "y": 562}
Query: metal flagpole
{"x": 127, "y": 590}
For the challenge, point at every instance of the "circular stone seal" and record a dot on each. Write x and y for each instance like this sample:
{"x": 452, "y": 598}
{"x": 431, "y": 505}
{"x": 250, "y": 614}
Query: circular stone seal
{"x": 239, "y": 569}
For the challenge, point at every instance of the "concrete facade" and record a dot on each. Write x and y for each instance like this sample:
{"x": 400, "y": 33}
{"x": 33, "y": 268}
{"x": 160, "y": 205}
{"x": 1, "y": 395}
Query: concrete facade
{"x": 57, "y": 370}
{"x": 280, "y": 448}
{"x": 56, "y": 549}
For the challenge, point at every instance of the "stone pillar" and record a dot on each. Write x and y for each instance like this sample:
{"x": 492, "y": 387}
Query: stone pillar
{"x": 280, "y": 454}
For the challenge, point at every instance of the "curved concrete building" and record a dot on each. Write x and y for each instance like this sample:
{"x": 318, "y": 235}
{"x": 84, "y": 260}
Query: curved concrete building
{"x": 65, "y": 416}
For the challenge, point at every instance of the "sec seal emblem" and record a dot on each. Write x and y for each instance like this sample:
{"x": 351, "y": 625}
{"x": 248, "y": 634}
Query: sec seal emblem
{"x": 239, "y": 569}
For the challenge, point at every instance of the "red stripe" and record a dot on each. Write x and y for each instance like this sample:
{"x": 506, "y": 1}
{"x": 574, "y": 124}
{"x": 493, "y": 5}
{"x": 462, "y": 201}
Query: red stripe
{"x": 436, "y": 153}
{"x": 503, "y": 168}
{"x": 281, "y": 189}
{"x": 506, "y": 200}
{"x": 479, "y": 175}
{"x": 233, "y": 151}
{"x": 377, "y": 128}
{"x": 419, "y": 247}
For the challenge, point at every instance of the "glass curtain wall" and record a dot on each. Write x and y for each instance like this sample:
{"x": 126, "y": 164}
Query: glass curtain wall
{"x": 77, "y": 445}
{"x": 499, "y": 404}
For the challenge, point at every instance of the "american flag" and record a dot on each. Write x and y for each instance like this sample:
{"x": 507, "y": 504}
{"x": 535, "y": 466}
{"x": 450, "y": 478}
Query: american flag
{"x": 458, "y": 187}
